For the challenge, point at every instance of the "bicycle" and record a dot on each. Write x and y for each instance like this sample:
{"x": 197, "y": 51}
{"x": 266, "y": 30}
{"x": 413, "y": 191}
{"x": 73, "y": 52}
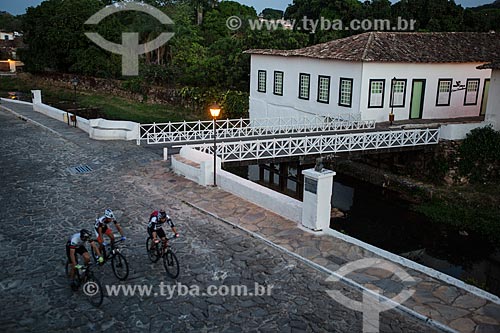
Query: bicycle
{"x": 92, "y": 288}
{"x": 170, "y": 261}
{"x": 118, "y": 262}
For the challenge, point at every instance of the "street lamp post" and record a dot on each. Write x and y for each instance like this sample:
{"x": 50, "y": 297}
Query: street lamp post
{"x": 74, "y": 82}
{"x": 215, "y": 111}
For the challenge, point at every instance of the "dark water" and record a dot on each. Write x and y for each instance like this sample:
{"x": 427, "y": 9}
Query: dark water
{"x": 380, "y": 218}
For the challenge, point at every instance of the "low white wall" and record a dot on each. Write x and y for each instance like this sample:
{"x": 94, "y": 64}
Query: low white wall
{"x": 459, "y": 131}
{"x": 262, "y": 196}
{"x": 15, "y": 101}
{"x": 102, "y": 129}
{"x": 186, "y": 170}
{"x": 61, "y": 115}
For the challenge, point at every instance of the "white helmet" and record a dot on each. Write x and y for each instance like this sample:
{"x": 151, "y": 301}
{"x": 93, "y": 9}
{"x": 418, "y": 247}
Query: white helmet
{"x": 109, "y": 214}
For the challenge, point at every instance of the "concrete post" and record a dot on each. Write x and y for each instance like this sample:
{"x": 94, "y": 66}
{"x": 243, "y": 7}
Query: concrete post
{"x": 316, "y": 205}
{"x": 36, "y": 96}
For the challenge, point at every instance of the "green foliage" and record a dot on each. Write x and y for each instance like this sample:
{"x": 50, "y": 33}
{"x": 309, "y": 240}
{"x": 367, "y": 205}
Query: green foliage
{"x": 235, "y": 104}
{"x": 272, "y": 14}
{"x": 54, "y": 32}
{"x": 480, "y": 155}
{"x": 135, "y": 85}
{"x": 9, "y": 23}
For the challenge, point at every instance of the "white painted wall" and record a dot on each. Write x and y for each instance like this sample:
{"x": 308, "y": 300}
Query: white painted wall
{"x": 268, "y": 105}
{"x": 6, "y": 36}
{"x": 98, "y": 129}
{"x": 432, "y": 73}
{"x": 262, "y": 196}
{"x": 493, "y": 106}
{"x": 459, "y": 131}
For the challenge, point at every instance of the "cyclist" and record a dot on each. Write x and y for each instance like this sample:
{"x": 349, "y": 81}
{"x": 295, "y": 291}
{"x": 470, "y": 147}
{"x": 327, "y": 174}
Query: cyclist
{"x": 102, "y": 227}
{"x": 76, "y": 244}
{"x": 156, "y": 221}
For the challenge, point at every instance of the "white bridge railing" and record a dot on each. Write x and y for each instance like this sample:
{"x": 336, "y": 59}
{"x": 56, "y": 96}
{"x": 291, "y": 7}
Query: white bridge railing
{"x": 337, "y": 143}
{"x": 183, "y": 132}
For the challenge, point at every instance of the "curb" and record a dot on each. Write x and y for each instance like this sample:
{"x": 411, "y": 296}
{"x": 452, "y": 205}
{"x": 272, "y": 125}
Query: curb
{"x": 24, "y": 118}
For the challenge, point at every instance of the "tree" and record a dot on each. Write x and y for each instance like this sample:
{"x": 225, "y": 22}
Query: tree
{"x": 272, "y": 14}
{"x": 9, "y": 23}
{"x": 54, "y": 32}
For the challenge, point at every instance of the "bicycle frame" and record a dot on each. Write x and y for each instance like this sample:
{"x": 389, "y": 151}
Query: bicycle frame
{"x": 114, "y": 250}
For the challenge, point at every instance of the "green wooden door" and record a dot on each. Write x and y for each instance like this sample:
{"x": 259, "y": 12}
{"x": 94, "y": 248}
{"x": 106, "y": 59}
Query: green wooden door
{"x": 484, "y": 100}
{"x": 417, "y": 99}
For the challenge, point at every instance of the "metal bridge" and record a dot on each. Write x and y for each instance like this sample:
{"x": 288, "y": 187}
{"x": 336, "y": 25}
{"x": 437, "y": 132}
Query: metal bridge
{"x": 315, "y": 145}
{"x": 199, "y": 131}
{"x": 245, "y": 139}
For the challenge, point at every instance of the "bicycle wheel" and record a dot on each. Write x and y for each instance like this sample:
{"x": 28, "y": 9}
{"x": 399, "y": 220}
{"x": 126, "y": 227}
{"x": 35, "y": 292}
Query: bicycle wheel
{"x": 171, "y": 264}
{"x": 153, "y": 254}
{"x": 92, "y": 289}
{"x": 120, "y": 266}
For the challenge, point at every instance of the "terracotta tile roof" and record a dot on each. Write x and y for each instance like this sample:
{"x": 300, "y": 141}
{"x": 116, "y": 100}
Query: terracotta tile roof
{"x": 491, "y": 65}
{"x": 403, "y": 47}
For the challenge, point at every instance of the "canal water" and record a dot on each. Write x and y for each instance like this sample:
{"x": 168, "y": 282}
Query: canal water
{"x": 381, "y": 218}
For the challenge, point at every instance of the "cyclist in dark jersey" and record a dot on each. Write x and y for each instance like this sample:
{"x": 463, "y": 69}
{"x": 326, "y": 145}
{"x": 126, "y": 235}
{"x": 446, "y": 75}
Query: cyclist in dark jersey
{"x": 76, "y": 245}
{"x": 155, "y": 225}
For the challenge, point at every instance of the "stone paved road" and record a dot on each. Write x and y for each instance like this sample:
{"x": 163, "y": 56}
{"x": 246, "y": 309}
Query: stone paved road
{"x": 41, "y": 204}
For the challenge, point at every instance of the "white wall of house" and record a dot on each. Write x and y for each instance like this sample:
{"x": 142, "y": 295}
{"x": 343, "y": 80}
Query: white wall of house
{"x": 493, "y": 106}
{"x": 6, "y": 36}
{"x": 431, "y": 73}
{"x": 269, "y": 105}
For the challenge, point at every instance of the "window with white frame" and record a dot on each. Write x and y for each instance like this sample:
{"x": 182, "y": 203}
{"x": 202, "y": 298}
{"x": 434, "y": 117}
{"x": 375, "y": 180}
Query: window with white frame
{"x": 278, "y": 83}
{"x": 261, "y": 85}
{"x": 444, "y": 92}
{"x": 345, "y": 92}
{"x": 376, "y": 98}
{"x": 471, "y": 92}
{"x": 304, "y": 85}
{"x": 398, "y": 93}
{"x": 324, "y": 89}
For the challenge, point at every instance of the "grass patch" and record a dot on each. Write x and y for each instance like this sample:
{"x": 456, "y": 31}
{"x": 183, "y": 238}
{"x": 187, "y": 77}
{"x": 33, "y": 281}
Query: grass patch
{"x": 482, "y": 218}
{"x": 113, "y": 107}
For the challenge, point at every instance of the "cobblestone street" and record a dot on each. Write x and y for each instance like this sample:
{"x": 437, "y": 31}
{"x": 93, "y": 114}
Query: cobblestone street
{"x": 42, "y": 204}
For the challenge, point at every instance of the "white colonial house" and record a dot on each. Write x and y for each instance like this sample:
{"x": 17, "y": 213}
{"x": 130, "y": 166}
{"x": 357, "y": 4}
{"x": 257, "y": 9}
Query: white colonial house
{"x": 413, "y": 75}
{"x": 6, "y": 35}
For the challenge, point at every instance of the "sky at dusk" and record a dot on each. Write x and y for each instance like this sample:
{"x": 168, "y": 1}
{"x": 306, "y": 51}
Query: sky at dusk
{"x": 17, "y": 7}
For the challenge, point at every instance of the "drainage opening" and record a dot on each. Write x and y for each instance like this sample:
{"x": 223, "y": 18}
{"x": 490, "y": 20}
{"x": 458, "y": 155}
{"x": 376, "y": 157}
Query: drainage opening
{"x": 80, "y": 169}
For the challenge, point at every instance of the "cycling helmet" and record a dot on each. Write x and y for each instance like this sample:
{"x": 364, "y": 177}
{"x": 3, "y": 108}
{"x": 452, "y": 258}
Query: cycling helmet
{"x": 162, "y": 214}
{"x": 85, "y": 235}
{"x": 109, "y": 214}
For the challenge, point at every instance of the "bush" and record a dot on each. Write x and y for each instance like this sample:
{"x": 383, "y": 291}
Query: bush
{"x": 235, "y": 104}
{"x": 480, "y": 155}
